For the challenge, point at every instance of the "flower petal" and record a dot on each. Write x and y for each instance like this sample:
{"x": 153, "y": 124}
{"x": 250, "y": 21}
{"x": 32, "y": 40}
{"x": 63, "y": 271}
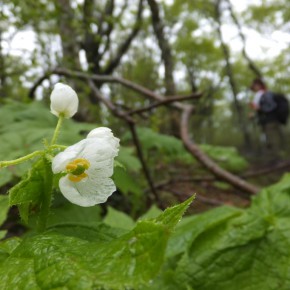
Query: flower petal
{"x": 98, "y": 150}
{"x": 88, "y": 192}
{"x": 100, "y": 132}
{"x": 101, "y": 169}
{"x": 104, "y": 133}
{"x": 69, "y": 154}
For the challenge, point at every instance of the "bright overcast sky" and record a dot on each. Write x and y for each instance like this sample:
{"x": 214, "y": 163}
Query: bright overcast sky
{"x": 258, "y": 47}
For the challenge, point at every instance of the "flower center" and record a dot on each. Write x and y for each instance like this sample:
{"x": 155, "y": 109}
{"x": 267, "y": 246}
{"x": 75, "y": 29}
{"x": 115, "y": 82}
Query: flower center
{"x": 76, "y": 169}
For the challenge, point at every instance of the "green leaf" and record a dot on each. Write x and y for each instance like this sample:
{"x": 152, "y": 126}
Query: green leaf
{"x": 127, "y": 158}
{"x": 3, "y": 234}
{"x": 7, "y": 247}
{"x": 125, "y": 182}
{"x": 230, "y": 248}
{"x": 4, "y": 207}
{"x": 171, "y": 216}
{"x": 184, "y": 232}
{"x": 153, "y": 212}
{"x": 70, "y": 213}
{"x": 97, "y": 232}
{"x": 52, "y": 260}
{"x": 118, "y": 219}
{"x": 29, "y": 190}
{"x": 5, "y": 176}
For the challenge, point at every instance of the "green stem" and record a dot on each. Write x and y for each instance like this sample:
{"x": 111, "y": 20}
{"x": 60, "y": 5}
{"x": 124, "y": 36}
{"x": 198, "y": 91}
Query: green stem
{"x": 21, "y": 159}
{"x": 47, "y": 197}
{"x": 57, "y": 129}
{"x": 56, "y": 146}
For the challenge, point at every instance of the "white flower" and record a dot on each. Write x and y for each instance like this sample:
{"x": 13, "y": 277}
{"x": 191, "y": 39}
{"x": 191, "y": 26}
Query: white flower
{"x": 64, "y": 100}
{"x": 88, "y": 165}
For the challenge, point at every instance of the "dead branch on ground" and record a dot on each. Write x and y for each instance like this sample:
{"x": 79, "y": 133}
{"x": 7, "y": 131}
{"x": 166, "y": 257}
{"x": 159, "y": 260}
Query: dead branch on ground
{"x": 186, "y": 111}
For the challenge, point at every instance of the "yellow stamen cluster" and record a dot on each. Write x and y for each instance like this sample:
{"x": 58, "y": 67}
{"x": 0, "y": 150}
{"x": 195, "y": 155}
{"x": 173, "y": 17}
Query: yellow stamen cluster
{"x": 76, "y": 169}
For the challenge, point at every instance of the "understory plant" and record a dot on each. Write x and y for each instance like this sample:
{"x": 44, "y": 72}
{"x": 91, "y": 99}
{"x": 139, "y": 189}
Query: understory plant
{"x": 72, "y": 253}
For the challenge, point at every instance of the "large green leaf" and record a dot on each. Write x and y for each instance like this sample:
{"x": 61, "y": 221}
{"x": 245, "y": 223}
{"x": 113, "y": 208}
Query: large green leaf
{"x": 52, "y": 260}
{"x": 230, "y": 248}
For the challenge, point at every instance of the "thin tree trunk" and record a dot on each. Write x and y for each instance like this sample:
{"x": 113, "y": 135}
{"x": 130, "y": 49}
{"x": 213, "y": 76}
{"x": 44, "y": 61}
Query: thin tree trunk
{"x": 70, "y": 48}
{"x": 230, "y": 74}
{"x": 2, "y": 70}
{"x": 164, "y": 46}
{"x": 166, "y": 55}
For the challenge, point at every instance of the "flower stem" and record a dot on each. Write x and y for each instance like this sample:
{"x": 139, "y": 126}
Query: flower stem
{"x": 56, "y": 146}
{"x": 57, "y": 129}
{"x": 47, "y": 197}
{"x": 20, "y": 160}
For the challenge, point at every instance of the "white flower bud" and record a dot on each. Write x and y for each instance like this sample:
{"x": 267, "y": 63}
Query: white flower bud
{"x": 64, "y": 100}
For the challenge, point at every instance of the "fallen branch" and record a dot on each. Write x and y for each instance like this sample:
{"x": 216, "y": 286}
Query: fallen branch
{"x": 209, "y": 163}
{"x": 186, "y": 110}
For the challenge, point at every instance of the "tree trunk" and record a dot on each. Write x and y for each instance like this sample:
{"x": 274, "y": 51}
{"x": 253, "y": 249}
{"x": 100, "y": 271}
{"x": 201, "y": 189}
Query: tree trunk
{"x": 68, "y": 34}
{"x": 2, "y": 71}
{"x": 229, "y": 72}
{"x": 166, "y": 55}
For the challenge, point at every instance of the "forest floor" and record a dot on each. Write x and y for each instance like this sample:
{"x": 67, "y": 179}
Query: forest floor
{"x": 211, "y": 193}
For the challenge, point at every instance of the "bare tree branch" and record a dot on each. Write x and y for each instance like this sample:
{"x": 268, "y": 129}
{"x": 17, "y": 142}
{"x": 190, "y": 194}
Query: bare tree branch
{"x": 127, "y": 42}
{"x": 186, "y": 112}
{"x": 142, "y": 160}
{"x": 251, "y": 64}
{"x": 165, "y": 102}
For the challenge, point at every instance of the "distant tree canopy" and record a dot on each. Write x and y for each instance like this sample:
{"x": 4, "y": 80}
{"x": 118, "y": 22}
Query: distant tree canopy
{"x": 169, "y": 46}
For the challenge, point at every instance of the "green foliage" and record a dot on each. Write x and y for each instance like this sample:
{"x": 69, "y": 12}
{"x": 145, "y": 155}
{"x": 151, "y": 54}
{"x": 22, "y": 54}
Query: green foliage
{"x": 126, "y": 182}
{"x": 52, "y": 260}
{"x": 153, "y": 212}
{"x": 69, "y": 213}
{"x": 127, "y": 177}
{"x": 4, "y": 207}
{"x": 28, "y": 192}
{"x": 23, "y": 127}
{"x": 118, "y": 219}
{"x": 170, "y": 148}
{"x": 128, "y": 159}
{"x": 227, "y": 157}
{"x": 228, "y": 248}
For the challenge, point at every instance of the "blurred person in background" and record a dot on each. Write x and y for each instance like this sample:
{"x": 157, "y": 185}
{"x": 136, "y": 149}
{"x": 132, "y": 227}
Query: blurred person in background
{"x": 272, "y": 111}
